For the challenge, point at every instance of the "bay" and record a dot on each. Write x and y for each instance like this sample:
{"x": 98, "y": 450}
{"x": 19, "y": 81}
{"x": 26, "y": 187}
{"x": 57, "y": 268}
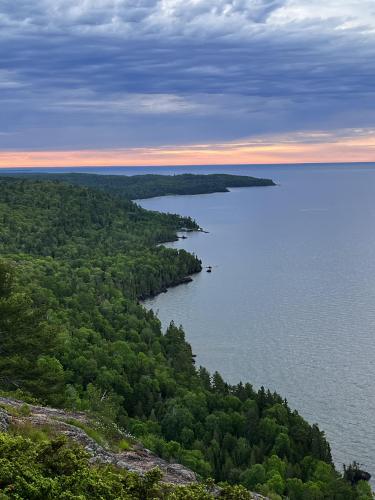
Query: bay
{"x": 290, "y": 303}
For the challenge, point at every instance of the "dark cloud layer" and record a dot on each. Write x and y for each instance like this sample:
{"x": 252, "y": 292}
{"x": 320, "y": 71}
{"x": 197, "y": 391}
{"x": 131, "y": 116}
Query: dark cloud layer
{"x": 110, "y": 73}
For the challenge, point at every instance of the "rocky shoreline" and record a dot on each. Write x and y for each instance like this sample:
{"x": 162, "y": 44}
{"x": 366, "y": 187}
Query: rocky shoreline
{"x": 182, "y": 281}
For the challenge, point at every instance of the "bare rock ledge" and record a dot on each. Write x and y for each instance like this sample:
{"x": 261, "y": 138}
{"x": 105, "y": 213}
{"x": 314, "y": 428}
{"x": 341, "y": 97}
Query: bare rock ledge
{"x": 138, "y": 459}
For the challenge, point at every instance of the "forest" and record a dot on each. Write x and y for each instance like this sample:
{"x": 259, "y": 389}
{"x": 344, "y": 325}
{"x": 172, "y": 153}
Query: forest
{"x": 150, "y": 185}
{"x": 74, "y": 263}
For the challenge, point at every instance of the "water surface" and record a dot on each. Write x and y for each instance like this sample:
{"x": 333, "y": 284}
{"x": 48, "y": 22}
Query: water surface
{"x": 290, "y": 303}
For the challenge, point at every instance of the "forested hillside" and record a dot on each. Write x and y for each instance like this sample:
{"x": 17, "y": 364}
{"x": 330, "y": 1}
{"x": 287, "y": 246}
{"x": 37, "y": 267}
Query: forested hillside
{"x": 74, "y": 261}
{"x": 148, "y": 186}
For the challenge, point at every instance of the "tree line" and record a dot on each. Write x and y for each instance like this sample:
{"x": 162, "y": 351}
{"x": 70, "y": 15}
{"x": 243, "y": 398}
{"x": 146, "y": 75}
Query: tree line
{"x": 135, "y": 187}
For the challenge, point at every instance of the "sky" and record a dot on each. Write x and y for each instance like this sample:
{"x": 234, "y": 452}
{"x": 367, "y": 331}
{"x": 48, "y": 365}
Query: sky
{"x": 161, "y": 82}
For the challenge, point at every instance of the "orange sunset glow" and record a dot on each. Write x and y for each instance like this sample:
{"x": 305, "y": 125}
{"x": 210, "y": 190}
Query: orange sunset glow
{"x": 299, "y": 148}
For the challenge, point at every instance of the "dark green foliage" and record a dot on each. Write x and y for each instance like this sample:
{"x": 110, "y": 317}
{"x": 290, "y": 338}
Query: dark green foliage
{"x": 41, "y": 468}
{"x": 354, "y": 474}
{"x": 28, "y": 345}
{"x": 81, "y": 259}
{"x": 6, "y": 279}
{"x": 58, "y": 220}
{"x": 148, "y": 186}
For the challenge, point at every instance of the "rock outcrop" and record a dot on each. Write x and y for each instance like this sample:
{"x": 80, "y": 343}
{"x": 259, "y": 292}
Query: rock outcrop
{"x": 138, "y": 459}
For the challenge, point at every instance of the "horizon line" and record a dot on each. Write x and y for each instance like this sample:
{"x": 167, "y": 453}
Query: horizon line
{"x": 342, "y": 146}
{"x": 197, "y": 165}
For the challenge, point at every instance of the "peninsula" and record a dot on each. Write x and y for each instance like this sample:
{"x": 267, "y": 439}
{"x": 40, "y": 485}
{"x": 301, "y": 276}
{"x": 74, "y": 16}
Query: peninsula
{"x": 151, "y": 185}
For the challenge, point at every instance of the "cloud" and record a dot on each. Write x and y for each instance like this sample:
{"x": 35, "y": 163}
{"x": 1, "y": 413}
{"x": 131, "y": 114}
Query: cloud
{"x": 340, "y": 146}
{"x": 131, "y": 103}
{"x": 113, "y": 14}
{"x": 117, "y": 73}
{"x": 8, "y": 80}
{"x": 342, "y": 14}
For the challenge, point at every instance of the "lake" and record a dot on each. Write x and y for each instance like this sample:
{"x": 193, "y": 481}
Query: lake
{"x": 290, "y": 302}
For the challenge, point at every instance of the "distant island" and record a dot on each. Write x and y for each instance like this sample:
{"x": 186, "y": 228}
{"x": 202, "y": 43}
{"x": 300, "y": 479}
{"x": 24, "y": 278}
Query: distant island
{"x": 150, "y": 185}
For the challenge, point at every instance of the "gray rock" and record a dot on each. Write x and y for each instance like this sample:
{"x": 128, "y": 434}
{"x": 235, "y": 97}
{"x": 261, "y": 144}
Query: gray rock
{"x": 138, "y": 459}
{"x": 4, "y": 420}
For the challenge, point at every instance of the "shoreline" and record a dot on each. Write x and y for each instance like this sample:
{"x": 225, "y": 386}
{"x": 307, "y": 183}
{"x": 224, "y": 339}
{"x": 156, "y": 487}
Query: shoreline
{"x": 185, "y": 280}
{"x": 182, "y": 281}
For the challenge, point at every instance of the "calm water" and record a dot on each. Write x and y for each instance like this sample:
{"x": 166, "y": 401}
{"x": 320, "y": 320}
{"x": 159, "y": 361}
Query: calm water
{"x": 290, "y": 303}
